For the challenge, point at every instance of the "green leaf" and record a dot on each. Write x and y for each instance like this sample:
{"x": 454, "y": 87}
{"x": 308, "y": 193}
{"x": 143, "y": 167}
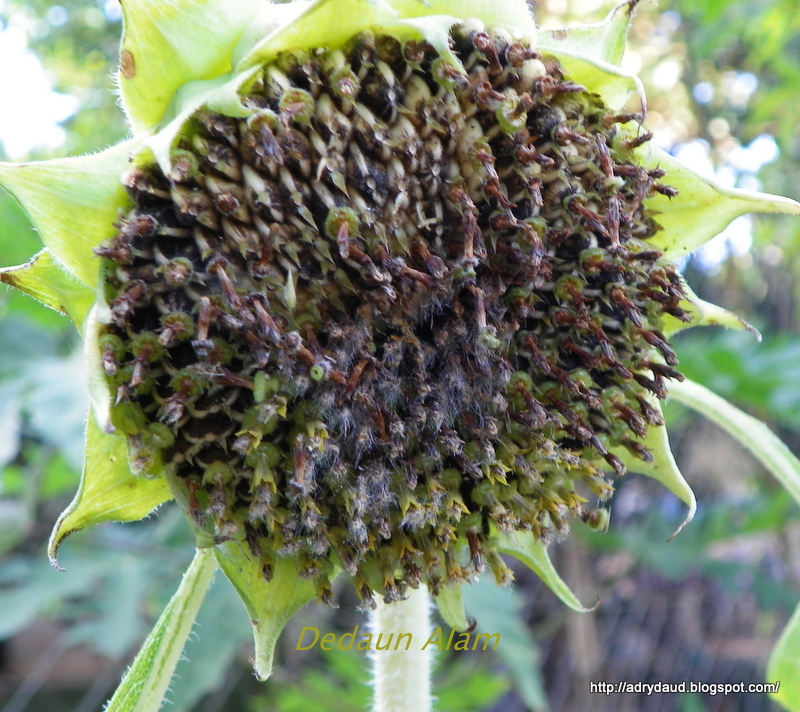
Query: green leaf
{"x": 36, "y": 594}
{"x": 73, "y": 203}
{"x": 499, "y": 609}
{"x": 17, "y": 241}
{"x": 269, "y": 604}
{"x": 604, "y": 41}
{"x": 451, "y": 606}
{"x": 702, "y": 209}
{"x": 46, "y": 281}
{"x": 338, "y": 683}
{"x": 533, "y": 553}
{"x": 146, "y": 682}
{"x": 10, "y": 421}
{"x": 663, "y": 467}
{"x": 108, "y": 492}
{"x": 168, "y": 44}
{"x": 56, "y": 385}
{"x": 691, "y": 702}
{"x": 784, "y": 664}
{"x": 758, "y": 378}
{"x": 705, "y": 313}
{"x": 464, "y": 686}
{"x": 762, "y": 443}
{"x": 19, "y": 338}
{"x": 118, "y": 624}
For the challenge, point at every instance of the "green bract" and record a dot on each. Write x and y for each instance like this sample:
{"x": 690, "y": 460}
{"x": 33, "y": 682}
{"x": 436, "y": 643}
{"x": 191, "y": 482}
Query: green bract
{"x": 385, "y": 286}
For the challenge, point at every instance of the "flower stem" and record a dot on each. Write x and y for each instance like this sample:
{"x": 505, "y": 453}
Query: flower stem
{"x": 402, "y": 678}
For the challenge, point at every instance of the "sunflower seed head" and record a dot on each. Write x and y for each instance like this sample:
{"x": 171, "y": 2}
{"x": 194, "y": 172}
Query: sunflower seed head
{"x": 407, "y": 302}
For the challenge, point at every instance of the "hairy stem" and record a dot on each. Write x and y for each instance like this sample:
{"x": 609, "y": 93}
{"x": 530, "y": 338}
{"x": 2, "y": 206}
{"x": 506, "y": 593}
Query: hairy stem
{"x": 402, "y": 677}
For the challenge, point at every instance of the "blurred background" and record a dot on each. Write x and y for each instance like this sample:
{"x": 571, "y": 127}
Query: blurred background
{"x": 723, "y": 80}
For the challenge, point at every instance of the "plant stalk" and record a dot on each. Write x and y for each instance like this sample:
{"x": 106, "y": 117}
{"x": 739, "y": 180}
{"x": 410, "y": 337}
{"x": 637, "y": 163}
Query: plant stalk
{"x": 402, "y": 678}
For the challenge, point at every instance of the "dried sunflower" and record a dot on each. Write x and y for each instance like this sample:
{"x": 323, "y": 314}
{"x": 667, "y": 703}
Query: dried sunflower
{"x": 376, "y": 286}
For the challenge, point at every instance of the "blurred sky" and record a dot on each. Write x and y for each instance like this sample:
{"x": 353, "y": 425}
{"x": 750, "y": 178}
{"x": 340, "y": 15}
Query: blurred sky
{"x": 30, "y": 111}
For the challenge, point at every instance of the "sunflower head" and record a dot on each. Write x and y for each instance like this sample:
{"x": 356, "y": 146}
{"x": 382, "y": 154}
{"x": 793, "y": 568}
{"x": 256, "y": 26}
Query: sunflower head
{"x": 390, "y": 295}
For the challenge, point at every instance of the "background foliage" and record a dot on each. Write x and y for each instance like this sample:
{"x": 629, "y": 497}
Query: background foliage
{"x": 723, "y": 80}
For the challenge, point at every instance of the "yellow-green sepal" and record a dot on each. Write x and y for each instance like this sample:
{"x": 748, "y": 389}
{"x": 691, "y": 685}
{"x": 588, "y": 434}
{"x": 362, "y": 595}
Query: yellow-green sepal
{"x": 702, "y": 209}
{"x": 73, "y": 203}
{"x": 166, "y": 45}
{"x": 97, "y": 384}
{"x": 450, "y": 602}
{"x": 108, "y": 491}
{"x": 323, "y": 23}
{"x": 615, "y": 86}
{"x": 269, "y": 604}
{"x": 704, "y": 313}
{"x": 603, "y": 41}
{"x": 532, "y": 552}
{"x": 331, "y": 23}
{"x": 514, "y": 15}
{"x": 220, "y": 94}
{"x": 48, "y": 283}
{"x": 591, "y": 55}
{"x": 784, "y": 664}
{"x": 663, "y": 466}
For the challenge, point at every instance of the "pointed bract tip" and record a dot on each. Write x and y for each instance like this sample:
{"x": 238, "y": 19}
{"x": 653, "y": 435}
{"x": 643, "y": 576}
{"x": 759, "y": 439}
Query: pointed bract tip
{"x": 689, "y": 517}
{"x": 532, "y": 552}
{"x": 450, "y": 604}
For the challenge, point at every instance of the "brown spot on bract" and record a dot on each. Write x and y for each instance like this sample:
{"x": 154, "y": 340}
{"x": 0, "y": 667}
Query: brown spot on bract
{"x": 127, "y": 64}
